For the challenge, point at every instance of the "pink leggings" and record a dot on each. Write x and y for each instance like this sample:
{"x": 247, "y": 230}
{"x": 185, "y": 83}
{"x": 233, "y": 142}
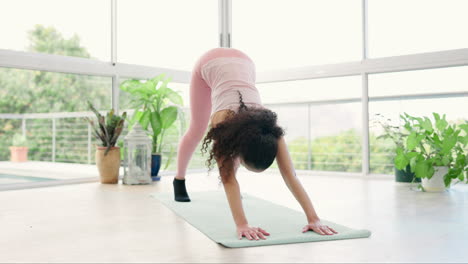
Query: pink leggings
{"x": 200, "y": 108}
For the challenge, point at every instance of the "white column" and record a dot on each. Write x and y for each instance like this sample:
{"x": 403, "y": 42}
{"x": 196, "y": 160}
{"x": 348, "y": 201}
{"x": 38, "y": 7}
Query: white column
{"x": 365, "y": 95}
{"x": 115, "y": 77}
{"x": 225, "y": 15}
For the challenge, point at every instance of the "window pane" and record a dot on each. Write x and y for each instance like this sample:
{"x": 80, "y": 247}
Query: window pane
{"x": 335, "y": 137}
{"x": 26, "y": 91}
{"x": 163, "y": 33}
{"x": 73, "y": 28}
{"x": 398, "y": 27}
{"x": 310, "y": 90}
{"x": 55, "y": 96}
{"x": 382, "y": 151}
{"x": 283, "y": 34}
{"x": 453, "y": 79}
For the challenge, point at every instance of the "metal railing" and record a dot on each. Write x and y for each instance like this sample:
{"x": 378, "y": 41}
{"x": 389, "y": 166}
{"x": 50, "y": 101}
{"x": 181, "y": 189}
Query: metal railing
{"x": 67, "y": 137}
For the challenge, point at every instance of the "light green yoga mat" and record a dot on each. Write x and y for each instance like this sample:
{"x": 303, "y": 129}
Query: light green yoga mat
{"x": 209, "y": 212}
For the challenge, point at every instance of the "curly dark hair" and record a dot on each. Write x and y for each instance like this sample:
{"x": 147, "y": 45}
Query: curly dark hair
{"x": 251, "y": 133}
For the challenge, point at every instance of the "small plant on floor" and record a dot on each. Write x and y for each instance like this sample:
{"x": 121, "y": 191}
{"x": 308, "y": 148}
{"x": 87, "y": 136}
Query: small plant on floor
{"x": 19, "y": 148}
{"x": 108, "y": 128}
{"x": 431, "y": 146}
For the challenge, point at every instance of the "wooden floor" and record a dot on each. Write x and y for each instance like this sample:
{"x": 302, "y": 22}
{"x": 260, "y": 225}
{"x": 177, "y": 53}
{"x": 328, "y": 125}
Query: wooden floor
{"x": 116, "y": 223}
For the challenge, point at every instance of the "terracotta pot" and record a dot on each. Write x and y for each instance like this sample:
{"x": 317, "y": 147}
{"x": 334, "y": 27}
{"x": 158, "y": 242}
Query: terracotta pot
{"x": 19, "y": 154}
{"x": 108, "y": 165}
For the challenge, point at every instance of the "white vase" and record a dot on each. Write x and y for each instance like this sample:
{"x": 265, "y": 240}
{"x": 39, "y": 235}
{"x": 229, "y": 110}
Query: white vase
{"x": 436, "y": 183}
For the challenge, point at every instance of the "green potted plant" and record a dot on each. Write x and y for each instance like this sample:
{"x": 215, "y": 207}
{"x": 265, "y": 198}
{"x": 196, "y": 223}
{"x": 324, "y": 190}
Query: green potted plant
{"x": 19, "y": 148}
{"x": 107, "y": 130}
{"x": 436, "y": 152}
{"x": 151, "y": 99}
{"x": 397, "y": 135}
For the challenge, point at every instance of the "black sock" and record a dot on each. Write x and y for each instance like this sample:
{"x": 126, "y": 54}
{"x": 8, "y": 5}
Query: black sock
{"x": 180, "y": 192}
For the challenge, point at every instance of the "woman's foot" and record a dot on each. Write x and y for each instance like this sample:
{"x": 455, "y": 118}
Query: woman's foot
{"x": 180, "y": 192}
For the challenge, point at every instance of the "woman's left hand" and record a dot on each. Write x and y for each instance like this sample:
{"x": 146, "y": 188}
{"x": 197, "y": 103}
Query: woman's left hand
{"x": 319, "y": 228}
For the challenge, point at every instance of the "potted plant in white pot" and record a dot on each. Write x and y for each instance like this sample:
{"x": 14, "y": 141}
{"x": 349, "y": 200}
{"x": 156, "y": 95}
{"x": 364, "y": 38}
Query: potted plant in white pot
{"x": 436, "y": 152}
{"x": 107, "y": 130}
{"x": 151, "y": 99}
{"x": 397, "y": 135}
{"x": 19, "y": 148}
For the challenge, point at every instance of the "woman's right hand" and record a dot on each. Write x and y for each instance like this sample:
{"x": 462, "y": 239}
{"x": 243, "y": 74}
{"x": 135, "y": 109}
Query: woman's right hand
{"x": 251, "y": 232}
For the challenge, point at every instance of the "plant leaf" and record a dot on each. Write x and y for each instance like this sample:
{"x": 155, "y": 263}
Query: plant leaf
{"x": 413, "y": 140}
{"x": 145, "y": 119}
{"x": 449, "y": 143}
{"x": 400, "y": 160}
{"x": 447, "y": 180}
{"x": 156, "y": 123}
{"x": 445, "y": 160}
{"x": 421, "y": 169}
{"x": 168, "y": 116}
{"x": 175, "y": 98}
{"x": 426, "y": 124}
{"x": 464, "y": 127}
{"x": 130, "y": 85}
{"x": 441, "y": 124}
{"x": 413, "y": 163}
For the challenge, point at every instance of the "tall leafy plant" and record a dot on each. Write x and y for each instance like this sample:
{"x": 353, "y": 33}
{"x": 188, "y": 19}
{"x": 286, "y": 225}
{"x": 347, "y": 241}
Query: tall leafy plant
{"x": 151, "y": 99}
{"x": 431, "y": 144}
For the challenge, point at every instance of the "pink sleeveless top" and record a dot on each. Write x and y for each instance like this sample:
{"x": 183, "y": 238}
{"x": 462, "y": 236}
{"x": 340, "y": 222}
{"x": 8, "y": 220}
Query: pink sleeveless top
{"x": 226, "y": 76}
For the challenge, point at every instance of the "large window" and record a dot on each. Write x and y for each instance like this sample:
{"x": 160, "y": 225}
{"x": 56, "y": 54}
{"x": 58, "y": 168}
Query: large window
{"x": 169, "y": 34}
{"x": 322, "y": 117}
{"x": 445, "y": 80}
{"x": 322, "y": 137}
{"x": 398, "y": 27}
{"x": 291, "y": 33}
{"x": 78, "y": 28}
{"x": 46, "y": 108}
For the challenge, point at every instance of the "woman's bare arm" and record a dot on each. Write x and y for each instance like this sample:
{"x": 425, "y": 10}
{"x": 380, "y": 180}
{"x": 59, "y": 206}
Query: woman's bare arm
{"x": 286, "y": 168}
{"x": 232, "y": 189}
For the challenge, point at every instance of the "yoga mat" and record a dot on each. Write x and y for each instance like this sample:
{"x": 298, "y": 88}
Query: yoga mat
{"x": 209, "y": 212}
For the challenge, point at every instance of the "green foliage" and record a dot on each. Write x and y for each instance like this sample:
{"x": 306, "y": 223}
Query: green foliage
{"x": 19, "y": 140}
{"x": 26, "y": 91}
{"x": 341, "y": 152}
{"x": 49, "y": 40}
{"x": 151, "y": 99}
{"x": 431, "y": 144}
{"x": 108, "y": 128}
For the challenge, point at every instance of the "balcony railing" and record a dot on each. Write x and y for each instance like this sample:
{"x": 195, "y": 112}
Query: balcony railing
{"x": 67, "y": 137}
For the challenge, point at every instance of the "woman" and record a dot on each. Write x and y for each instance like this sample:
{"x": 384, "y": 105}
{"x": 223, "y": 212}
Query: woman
{"x": 222, "y": 90}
